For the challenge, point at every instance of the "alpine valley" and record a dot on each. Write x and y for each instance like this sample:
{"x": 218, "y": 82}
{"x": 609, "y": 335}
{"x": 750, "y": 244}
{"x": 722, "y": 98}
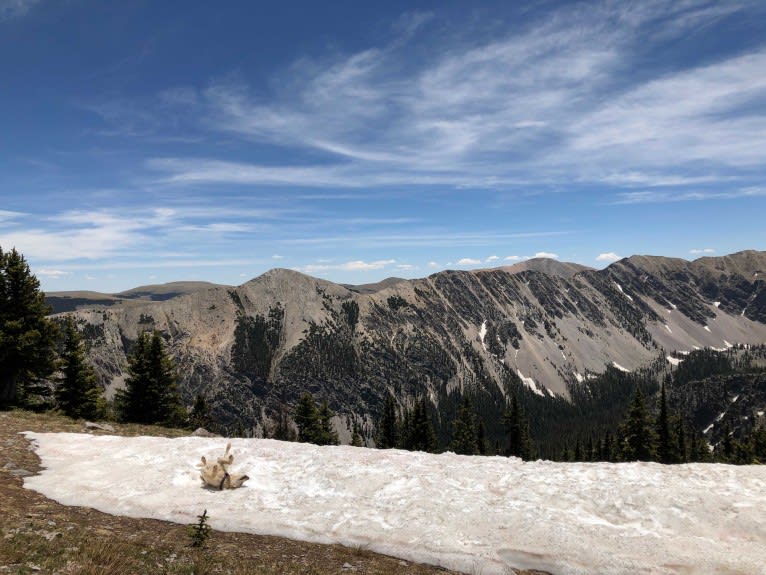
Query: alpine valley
{"x": 569, "y": 341}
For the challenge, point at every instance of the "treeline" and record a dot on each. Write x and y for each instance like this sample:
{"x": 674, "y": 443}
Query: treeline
{"x": 43, "y": 364}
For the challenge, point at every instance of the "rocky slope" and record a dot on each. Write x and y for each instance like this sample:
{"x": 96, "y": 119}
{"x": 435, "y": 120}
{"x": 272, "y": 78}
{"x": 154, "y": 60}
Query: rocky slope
{"x": 544, "y": 325}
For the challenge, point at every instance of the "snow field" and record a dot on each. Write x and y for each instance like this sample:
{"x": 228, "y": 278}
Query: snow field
{"x": 474, "y": 514}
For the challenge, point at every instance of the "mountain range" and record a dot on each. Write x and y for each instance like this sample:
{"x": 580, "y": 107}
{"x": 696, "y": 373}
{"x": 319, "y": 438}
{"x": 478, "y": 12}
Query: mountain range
{"x": 540, "y": 325}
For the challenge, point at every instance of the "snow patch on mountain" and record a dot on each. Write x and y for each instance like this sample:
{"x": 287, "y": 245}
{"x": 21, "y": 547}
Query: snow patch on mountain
{"x": 529, "y": 382}
{"x": 621, "y": 368}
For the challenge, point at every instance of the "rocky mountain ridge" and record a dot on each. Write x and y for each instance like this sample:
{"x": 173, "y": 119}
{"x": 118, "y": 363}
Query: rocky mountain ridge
{"x": 543, "y": 325}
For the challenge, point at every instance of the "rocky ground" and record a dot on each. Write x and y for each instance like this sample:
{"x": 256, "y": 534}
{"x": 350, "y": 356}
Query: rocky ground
{"x": 38, "y": 535}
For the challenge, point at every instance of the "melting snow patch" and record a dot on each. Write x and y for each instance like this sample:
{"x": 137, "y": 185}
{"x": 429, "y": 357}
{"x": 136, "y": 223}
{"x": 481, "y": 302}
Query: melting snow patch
{"x": 673, "y": 360}
{"x": 759, "y": 413}
{"x": 578, "y": 377}
{"x": 474, "y": 514}
{"x": 619, "y": 287}
{"x": 707, "y": 328}
{"x": 667, "y": 327}
{"x": 735, "y": 398}
{"x": 482, "y": 333}
{"x": 727, "y": 344}
{"x": 719, "y": 417}
{"x": 708, "y": 428}
{"x": 717, "y": 303}
{"x": 618, "y": 366}
{"x": 529, "y": 382}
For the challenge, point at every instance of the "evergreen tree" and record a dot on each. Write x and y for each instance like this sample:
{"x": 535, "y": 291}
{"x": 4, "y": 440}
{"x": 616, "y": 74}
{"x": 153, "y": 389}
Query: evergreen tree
{"x": 150, "y": 395}
{"x": 683, "y": 454}
{"x": 327, "y": 435}
{"x": 307, "y": 419}
{"x": 27, "y": 336}
{"x": 481, "y": 439}
{"x": 517, "y": 429}
{"x": 389, "y": 425}
{"x": 666, "y": 448}
{"x": 417, "y": 429}
{"x": 356, "y": 436}
{"x": 200, "y": 414}
{"x": 699, "y": 450}
{"x": 725, "y": 449}
{"x": 637, "y": 436}
{"x": 465, "y": 436}
{"x": 758, "y": 443}
{"x": 282, "y": 429}
{"x": 578, "y": 451}
{"x": 78, "y": 393}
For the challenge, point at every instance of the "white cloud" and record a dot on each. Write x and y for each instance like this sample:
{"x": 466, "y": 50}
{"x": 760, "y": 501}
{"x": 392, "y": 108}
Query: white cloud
{"x": 546, "y": 255}
{"x": 53, "y": 274}
{"x": 357, "y": 265}
{"x": 513, "y": 258}
{"x": 492, "y": 259}
{"x": 649, "y": 197}
{"x": 277, "y": 257}
{"x": 15, "y": 8}
{"x": 555, "y": 95}
{"x": 607, "y": 257}
{"x": 405, "y": 267}
{"x": 434, "y": 265}
{"x": 702, "y": 251}
{"x": 7, "y": 215}
{"x": 468, "y": 262}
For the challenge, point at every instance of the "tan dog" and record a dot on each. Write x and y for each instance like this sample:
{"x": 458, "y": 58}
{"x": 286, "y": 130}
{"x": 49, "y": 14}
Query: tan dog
{"x": 217, "y": 474}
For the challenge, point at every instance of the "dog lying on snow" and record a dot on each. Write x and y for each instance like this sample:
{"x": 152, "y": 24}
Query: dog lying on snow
{"x": 217, "y": 474}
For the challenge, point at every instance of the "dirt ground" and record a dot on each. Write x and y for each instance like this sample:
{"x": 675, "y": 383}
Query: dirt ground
{"x": 38, "y": 535}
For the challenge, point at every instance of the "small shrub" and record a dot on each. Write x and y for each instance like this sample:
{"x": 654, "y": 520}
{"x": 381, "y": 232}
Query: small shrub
{"x": 200, "y": 532}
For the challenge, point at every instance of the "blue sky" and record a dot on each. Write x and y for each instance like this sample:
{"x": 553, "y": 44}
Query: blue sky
{"x": 145, "y": 142}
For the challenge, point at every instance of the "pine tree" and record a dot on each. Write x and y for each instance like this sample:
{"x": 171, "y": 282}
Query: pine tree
{"x": 307, "y": 419}
{"x": 389, "y": 425}
{"x": 78, "y": 393}
{"x": 724, "y": 451}
{"x": 637, "y": 435}
{"x": 758, "y": 442}
{"x": 683, "y": 454}
{"x": 200, "y": 414}
{"x": 464, "y": 435}
{"x": 27, "y": 336}
{"x": 327, "y": 435}
{"x": 517, "y": 429}
{"x": 417, "y": 429}
{"x": 578, "y": 451}
{"x": 150, "y": 395}
{"x": 356, "y": 436}
{"x": 282, "y": 429}
{"x": 666, "y": 448}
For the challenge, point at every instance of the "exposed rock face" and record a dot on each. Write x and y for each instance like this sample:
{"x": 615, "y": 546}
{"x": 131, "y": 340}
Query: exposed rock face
{"x": 545, "y": 324}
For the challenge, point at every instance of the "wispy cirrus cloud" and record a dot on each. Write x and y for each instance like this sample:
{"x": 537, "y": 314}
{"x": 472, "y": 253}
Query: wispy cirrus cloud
{"x": 556, "y": 99}
{"x": 698, "y": 251}
{"x": 10, "y": 9}
{"x": 353, "y": 266}
{"x": 652, "y": 197}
